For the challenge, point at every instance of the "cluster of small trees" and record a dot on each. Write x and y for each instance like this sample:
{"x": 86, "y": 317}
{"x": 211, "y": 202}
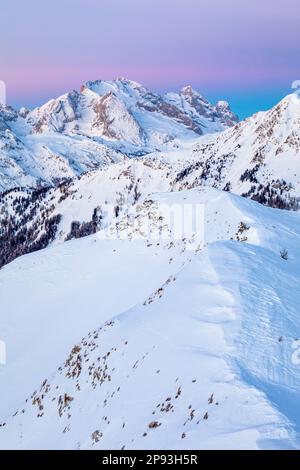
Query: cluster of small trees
{"x": 187, "y": 171}
{"x": 26, "y": 224}
{"x": 274, "y": 194}
{"x": 81, "y": 229}
{"x": 250, "y": 174}
{"x": 211, "y": 168}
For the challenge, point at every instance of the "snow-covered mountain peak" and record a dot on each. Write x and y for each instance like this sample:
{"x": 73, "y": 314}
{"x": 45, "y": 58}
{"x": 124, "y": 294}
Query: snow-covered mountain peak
{"x": 288, "y": 112}
{"x": 276, "y": 125}
{"x": 226, "y": 115}
{"x": 292, "y": 99}
{"x": 189, "y": 92}
{"x": 222, "y": 105}
{"x": 23, "y": 112}
{"x": 159, "y": 118}
{"x": 115, "y": 120}
{"x": 124, "y": 89}
{"x": 55, "y": 114}
{"x": 217, "y": 117}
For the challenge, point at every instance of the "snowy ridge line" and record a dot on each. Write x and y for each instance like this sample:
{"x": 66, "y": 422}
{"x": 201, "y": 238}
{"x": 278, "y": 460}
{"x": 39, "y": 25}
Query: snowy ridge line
{"x": 192, "y": 351}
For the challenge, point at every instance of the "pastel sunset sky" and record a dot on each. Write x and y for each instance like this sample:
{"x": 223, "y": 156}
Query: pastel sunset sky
{"x": 244, "y": 51}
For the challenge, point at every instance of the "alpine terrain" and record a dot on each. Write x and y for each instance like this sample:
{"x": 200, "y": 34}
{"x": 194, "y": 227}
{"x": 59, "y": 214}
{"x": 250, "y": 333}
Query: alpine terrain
{"x": 103, "y": 123}
{"x": 149, "y": 273}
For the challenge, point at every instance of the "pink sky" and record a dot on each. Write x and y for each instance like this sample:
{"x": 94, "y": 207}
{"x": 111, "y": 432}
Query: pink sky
{"x": 222, "y": 47}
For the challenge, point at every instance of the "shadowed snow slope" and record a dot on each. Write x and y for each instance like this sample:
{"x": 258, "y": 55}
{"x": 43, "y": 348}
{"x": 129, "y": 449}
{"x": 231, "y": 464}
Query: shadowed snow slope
{"x": 157, "y": 344}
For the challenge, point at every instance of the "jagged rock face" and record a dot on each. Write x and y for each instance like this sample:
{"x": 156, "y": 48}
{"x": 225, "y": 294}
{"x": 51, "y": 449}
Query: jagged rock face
{"x": 157, "y": 104}
{"x": 281, "y": 126}
{"x": 224, "y": 113}
{"x": 198, "y": 102}
{"x": 7, "y": 115}
{"x": 201, "y": 111}
{"x": 23, "y": 112}
{"x": 56, "y": 114}
{"x": 114, "y": 120}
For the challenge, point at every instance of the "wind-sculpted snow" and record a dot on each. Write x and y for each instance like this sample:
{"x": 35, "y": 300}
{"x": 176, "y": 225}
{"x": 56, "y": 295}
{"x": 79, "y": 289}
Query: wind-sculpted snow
{"x": 140, "y": 343}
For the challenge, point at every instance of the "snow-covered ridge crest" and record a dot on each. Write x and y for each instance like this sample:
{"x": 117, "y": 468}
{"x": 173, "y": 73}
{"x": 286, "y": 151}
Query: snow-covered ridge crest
{"x": 179, "y": 358}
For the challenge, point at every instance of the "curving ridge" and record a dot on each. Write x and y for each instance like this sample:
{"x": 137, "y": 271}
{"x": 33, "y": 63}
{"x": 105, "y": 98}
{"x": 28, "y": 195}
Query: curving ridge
{"x": 179, "y": 358}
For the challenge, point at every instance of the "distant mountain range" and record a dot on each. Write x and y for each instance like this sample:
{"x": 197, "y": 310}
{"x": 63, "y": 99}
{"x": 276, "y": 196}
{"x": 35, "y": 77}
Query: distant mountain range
{"x": 105, "y": 122}
{"x": 256, "y": 158}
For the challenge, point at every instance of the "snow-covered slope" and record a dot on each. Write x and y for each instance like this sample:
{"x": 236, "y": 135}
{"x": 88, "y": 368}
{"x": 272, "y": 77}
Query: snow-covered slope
{"x": 31, "y": 219}
{"x": 142, "y": 343}
{"x": 258, "y": 157}
{"x": 29, "y": 160}
{"x": 103, "y": 123}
